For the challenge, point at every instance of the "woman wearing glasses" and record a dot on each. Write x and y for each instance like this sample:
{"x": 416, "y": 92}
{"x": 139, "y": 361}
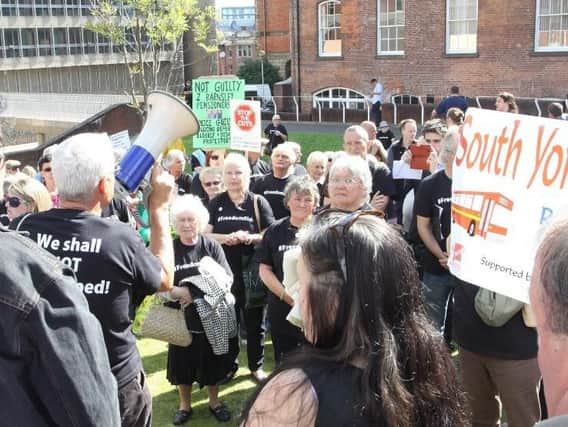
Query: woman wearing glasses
{"x": 211, "y": 179}
{"x": 301, "y": 198}
{"x": 24, "y": 196}
{"x": 375, "y": 360}
{"x": 233, "y": 222}
{"x": 213, "y": 158}
{"x": 350, "y": 184}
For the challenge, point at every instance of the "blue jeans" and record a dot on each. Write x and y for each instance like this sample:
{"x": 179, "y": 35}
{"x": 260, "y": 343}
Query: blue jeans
{"x": 437, "y": 291}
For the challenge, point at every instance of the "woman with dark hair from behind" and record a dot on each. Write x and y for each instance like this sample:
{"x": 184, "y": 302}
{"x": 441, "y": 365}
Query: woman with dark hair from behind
{"x": 375, "y": 359}
{"x": 454, "y": 117}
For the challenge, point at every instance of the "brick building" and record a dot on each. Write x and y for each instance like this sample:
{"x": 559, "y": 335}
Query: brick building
{"x": 273, "y": 32}
{"x": 418, "y": 47}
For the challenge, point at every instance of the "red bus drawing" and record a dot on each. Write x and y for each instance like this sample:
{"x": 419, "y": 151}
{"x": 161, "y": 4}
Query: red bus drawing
{"x": 474, "y": 210}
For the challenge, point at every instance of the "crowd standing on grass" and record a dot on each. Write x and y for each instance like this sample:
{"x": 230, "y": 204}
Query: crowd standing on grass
{"x": 371, "y": 328}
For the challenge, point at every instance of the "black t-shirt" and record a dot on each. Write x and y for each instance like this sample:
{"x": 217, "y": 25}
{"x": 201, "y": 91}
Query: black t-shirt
{"x": 382, "y": 181}
{"x": 184, "y": 184}
{"x": 274, "y": 140}
{"x": 110, "y": 262}
{"x": 434, "y": 200}
{"x": 187, "y": 258}
{"x": 226, "y": 217}
{"x": 272, "y": 189}
{"x": 512, "y": 341}
{"x": 258, "y": 169}
{"x": 386, "y": 138}
{"x": 277, "y": 239}
{"x": 198, "y": 190}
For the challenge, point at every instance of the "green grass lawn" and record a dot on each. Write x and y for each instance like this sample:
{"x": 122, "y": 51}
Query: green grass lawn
{"x": 165, "y": 396}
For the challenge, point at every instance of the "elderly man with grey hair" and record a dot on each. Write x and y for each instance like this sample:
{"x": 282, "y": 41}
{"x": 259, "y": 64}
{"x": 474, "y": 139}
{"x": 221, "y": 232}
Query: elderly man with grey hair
{"x": 174, "y": 162}
{"x": 355, "y": 143}
{"x": 549, "y": 299}
{"x": 272, "y": 185}
{"x": 110, "y": 261}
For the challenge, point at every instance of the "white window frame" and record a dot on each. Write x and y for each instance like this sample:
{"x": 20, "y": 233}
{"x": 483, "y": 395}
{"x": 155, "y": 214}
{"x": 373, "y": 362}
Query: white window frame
{"x": 463, "y": 19}
{"x": 563, "y": 16}
{"x": 322, "y": 30}
{"x": 326, "y": 99}
{"x": 389, "y": 26}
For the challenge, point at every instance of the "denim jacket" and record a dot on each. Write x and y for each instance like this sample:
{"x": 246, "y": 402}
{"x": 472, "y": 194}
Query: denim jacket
{"x": 54, "y": 368}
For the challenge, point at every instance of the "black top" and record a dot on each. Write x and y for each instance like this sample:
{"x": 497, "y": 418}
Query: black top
{"x": 386, "y": 138}
{"x": 226, "y": 217}
{"x": 110, "y": 262}
{"x": 184, "y": 184}
{"x": 512, "y": 341}
{"x": 337, "y": 386}
{"x": 187, "y": 258}
{"x": 118, "y": 209}
{"x": 434, "y": 200}
{"x": 451, "y": 101}
{"x": 272, "y": 189}
{"x": 274, "y": 140}
{"x": 259, "y": 169}
{"x": 198, "y": 190}
{"x": 277, "y": 239}
{"x": 382, "y": 181}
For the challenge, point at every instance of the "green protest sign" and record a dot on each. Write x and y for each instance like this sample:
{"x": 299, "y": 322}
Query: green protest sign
{"x": 211, "y": 105}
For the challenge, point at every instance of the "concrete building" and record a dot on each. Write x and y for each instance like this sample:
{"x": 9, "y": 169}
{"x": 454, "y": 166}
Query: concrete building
{"x": 417, "y": 47}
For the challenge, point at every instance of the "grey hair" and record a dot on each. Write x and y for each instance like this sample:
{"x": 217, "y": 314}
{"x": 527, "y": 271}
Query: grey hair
{"x": 79, "y": 163}
{"x": 190, "y": 204}
{"x": 172, "y": 156}
{"x": 449, "y": 144}
{"x": 552, "y": 258}
{"x": 301, "y": 185}
{"x": 357, "y": 167}
{"x": 317, "y": 156}
{"x": 285, "y": 148}
{"x": 236, "y": 159}
{"x": 210, "y": 171}
{"x": 360, "y": 130}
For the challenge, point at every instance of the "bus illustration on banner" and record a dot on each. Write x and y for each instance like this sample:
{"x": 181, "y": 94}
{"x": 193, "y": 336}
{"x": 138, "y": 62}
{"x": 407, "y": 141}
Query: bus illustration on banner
{"x": 478, "y": 212}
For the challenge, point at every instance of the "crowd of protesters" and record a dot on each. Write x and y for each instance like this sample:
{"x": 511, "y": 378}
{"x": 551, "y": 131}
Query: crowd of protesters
{"x": 368, "y": 325}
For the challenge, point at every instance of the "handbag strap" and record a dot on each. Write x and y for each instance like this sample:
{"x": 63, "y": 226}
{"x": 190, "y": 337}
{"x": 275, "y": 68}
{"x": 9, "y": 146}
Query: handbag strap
{"x": 256, "y": 212}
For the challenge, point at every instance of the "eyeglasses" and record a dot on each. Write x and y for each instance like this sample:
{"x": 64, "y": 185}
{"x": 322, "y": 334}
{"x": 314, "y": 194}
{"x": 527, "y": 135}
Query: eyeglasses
{"x": 13, "y": 202}
{"x": 210, "y": 183}
{"x": 346, "y": 181}
{"x": 340, "y": 229}
{"x": 46, "y": 170}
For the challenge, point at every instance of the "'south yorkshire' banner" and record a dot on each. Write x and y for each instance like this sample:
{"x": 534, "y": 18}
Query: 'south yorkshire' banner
{"x": 510, "y": 180}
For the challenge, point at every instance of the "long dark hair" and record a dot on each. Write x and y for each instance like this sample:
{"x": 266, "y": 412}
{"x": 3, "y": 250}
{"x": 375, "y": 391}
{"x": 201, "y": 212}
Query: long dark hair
{"x": 376, "y": 319}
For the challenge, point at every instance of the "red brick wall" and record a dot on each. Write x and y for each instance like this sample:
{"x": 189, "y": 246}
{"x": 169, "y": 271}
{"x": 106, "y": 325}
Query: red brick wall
{"x": 274, "y": 34}
{"x": 505, "y": 59}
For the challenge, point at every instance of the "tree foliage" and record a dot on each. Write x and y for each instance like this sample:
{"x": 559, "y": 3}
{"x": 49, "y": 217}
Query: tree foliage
{"x": 250, "y": 72}
{"x": 150, "y": 32}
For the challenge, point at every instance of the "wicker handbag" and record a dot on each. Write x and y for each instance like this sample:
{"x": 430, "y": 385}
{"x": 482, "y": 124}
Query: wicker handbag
{"x": 166, "y": 324}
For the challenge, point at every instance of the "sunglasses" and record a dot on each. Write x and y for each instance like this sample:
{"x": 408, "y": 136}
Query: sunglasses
{"x": 210, "y": 183}
{"x": 13, "y": 202}
{"x": 215, "y": 157}
{"x": 46, "y": 170}
{"x": 340, "y": 229}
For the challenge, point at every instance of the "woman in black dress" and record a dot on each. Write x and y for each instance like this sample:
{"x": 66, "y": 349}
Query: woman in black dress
{"x": 301, "y": 198}
{"x": 233, "y": 223}
{"x": 197, "y": 362}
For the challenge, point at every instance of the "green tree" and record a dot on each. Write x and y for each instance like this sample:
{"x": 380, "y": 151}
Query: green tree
{"x": 149, "y": 32}
{"x": 250, "y": 72}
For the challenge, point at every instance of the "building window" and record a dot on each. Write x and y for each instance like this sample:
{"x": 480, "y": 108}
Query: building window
{"x": 336, "y": 97}
{"x": 60, "y": 41}
{"x": 72, "y": 7}
{"x": 41, "y": 7}
{"x": 25, "y": 8}
{"x": 551, "y": 30}
{"x": 461, "y": 26}
{"x": 75, "y": 41}
{"x": 8, "y": 7}
{"x": 57, "y": 8}
{"x": 244, "y": 51}
{"x": 29, "y": 42}
{"x": 390, "y": 31}
{"x": 12, "y": 43}
{"x": 45, "y": 42}
{"x": 329, "y": 26}
{"x": 89, "y": 40}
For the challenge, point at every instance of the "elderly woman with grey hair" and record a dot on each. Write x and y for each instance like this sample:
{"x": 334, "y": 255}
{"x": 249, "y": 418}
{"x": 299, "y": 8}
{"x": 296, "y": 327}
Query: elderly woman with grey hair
{"x": 237, "y": 220}
{"x": 349, "y": 184}
{"x": 301, "y": 196}
{"x": 197, "y": 362}
{"x": 174, "y": 163}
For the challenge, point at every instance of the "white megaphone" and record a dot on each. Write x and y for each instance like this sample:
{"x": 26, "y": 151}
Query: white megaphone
{"x": 168, "y": 119}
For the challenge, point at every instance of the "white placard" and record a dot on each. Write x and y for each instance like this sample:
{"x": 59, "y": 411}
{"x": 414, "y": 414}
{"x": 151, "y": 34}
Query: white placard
{"x": 245, "y": 125}
{"x": 509, "y": 182}
{"x": 402, "y": 170}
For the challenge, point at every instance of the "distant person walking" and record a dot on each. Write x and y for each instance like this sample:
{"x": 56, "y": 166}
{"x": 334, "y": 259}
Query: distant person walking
{"x": 455, "y": 100}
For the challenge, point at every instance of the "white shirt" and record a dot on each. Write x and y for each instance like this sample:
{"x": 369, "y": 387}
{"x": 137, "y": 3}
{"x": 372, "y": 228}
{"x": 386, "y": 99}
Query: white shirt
{"x": 377, "y": 94}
